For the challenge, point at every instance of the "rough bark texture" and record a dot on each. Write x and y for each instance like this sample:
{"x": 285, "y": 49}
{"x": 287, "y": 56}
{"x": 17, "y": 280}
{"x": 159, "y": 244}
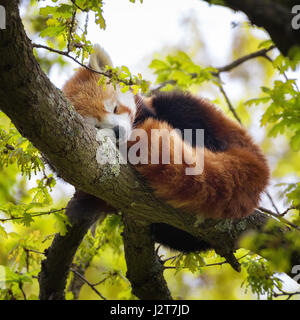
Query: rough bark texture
{"x": 43, "y": 115}
{"x": 145, "y": 271}
{"x": 52, "y": 284}
{"x": 83, "y": 212}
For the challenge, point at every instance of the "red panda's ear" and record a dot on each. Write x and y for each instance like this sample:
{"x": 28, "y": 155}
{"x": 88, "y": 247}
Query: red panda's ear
{"x": 99, "y": 59}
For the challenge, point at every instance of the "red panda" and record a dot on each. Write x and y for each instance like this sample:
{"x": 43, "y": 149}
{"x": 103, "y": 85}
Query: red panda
{"x": 235, "y": 171}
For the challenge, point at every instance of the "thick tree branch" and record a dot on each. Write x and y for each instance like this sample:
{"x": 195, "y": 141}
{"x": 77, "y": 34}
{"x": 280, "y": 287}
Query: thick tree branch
{"x": 55, "y": 268}
{"x": 145, "y": 271}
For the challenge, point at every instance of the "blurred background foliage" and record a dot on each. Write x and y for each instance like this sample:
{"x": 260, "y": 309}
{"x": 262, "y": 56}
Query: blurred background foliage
{"x": 265, "y": 96}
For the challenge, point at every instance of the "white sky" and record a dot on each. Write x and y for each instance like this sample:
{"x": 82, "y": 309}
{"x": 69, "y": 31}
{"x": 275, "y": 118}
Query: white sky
{"x": 135, "y": 31}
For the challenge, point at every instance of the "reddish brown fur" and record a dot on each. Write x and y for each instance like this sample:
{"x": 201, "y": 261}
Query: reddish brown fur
{"x": 232, "y": 181}
{"x": 87, "y": 96}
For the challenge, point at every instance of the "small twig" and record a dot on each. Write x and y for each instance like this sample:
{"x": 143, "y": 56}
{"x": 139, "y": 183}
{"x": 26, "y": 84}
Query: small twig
{"x": 280, "y": 216}
{"x": 226, "y": 68}
{"x": 66, "y": 54}
{"x": 287, "y": 210}
{"x": 77, "y": 6}
{"x": 70, "y": 36}
{"x": 272, "y": 202}
{"x": 157, "y": 249}
{"x": 101, "y": 281}
{"x": 35, "y": 214}
{"x": 260, "y": 53}
{"x": 92, "y": 286}
{"x": 35, "y": 251}
{"x": 230, "y": 106}
{"x": 27, "y": 259}
{"x": 284, "y": 293}
{"x": 168, "y": 259}
{"x": 223, "y": 262}
{"x": 207, "y": 265}
{"x": 21, "y": 288}
{"x": 162, "y": 85}
{"x": 284, "y": 74}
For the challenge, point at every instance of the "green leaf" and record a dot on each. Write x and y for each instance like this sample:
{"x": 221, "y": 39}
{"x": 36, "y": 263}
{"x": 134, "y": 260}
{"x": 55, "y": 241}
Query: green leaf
{"x": 52, "y": 31}
{"x": 158, "y": 65}
{"x": 277, "y": 129}
{"x": 265, "y": 44}
{"x": 63, "y": 11}
{"x": 10, "y": 276}
{"x": 126, "y": 71}
{"x": 257, "y": 101}
{"x": 27, "y": 220}
{"x": 3, "y": 233}
{"x": 295, "y": 141}
{"x": 61, "y": 223}
{"x": 135, "y": 89}
{"x": 266, "y": 90}
{"x": 184, "y": 57}
{"x": 45, "y": 11}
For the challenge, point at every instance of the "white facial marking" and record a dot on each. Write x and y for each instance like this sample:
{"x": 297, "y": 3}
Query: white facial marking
{"x": 122, "y": 120}
{"x": 112, "y": 120}
{"x": 110, "y": 104}
{"x": 127, "y": 100}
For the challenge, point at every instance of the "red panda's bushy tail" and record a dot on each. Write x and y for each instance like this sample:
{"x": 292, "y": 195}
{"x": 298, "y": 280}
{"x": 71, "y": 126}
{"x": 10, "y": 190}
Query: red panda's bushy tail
{"x": 230, "y": 184}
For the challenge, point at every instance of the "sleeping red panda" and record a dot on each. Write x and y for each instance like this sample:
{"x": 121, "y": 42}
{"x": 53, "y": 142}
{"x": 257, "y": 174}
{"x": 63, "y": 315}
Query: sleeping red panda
{"x": 235, "y": 171}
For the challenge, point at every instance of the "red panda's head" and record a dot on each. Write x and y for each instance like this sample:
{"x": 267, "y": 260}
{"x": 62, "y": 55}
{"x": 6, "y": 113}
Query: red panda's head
{"x": 105, "y": 108}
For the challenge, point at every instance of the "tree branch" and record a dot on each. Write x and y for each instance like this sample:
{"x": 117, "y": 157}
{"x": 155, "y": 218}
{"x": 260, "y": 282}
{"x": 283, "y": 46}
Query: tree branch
{"x": 288, "y": 295}
{"x": 68, "y": 55}
{"x": 83, "y": 279}
{"x": 42, "y": 114}
{"x": 229, "y": 104}
{"x": 33, "y": 215}
{"x": 234, "y": 64}
{"x": 144, "y": 269}
{"x": 59, "y": 256}
{"x": 260, "y": 53}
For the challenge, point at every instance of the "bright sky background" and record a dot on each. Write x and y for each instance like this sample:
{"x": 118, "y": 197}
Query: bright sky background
{"x": 135, "y": 31}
